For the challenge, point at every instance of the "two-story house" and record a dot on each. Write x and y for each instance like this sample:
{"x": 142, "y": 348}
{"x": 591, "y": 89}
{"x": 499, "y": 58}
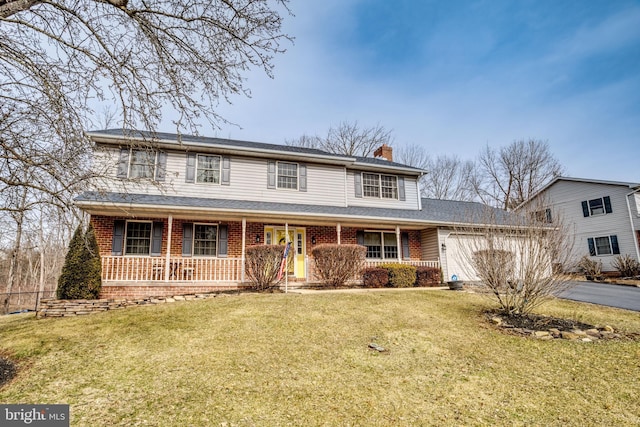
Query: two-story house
{"x": 603, "y": 217}
{"x": 176, "y": 214}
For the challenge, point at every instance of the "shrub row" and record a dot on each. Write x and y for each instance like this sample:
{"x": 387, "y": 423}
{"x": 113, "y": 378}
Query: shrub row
{"x": 400, "y": 276}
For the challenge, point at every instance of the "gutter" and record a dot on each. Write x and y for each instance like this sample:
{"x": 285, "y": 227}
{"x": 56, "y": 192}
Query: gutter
{"x": 633, "y": 230}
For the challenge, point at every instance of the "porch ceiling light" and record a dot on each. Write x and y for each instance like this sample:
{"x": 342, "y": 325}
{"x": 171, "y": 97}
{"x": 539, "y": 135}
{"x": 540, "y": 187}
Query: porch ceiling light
{"x": 257, "y": 238}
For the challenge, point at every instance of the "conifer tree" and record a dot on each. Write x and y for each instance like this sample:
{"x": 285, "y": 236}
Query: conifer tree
{"x": 80, "y": 278}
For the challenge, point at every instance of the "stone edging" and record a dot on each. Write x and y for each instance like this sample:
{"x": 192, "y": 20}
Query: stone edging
{"x": 68, "y": 308}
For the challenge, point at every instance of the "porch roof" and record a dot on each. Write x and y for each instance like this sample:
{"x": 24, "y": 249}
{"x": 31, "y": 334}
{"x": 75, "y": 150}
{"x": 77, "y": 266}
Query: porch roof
{"x": 434, "y": 212}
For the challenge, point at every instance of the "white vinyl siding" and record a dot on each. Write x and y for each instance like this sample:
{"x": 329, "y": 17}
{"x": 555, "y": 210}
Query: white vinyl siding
{"x": 325, "y": 183}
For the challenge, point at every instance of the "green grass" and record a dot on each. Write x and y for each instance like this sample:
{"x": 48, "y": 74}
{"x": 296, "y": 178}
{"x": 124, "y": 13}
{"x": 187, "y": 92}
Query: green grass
{"x": 304, "y": 360}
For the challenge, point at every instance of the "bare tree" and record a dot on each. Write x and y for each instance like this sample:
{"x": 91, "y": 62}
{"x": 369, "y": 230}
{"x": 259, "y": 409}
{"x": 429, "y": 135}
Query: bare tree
{"x": 507, "y": 177}
{"x": 517, "y": 258}
{"x": 347, "y": 138}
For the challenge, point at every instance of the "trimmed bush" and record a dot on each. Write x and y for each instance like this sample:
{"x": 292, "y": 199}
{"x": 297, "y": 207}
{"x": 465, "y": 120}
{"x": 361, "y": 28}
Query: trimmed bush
{"x": 427, "y": 276}
{"x": 400, "y": 275}
{"x": 627, "y": 266}
{"x": 375, "y": 277}
{"x": 81, "y": 276}
{"x": 589, "y": 267}
{"x": 337, "y": 264}
{"x": 263, "y": 264}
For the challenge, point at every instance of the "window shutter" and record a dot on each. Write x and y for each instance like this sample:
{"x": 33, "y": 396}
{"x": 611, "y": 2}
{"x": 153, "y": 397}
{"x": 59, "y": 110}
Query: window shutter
{"x": 607, "y": 204}
{"x": 358, "y": 185}
{"x": 360, "y": 237}
{"x": 190, "y": 175}
{"x": 405, "y": 246}
{"x": 118, "y": 237}
{"x": 548, "y": 217}
{"x": 161, "y": 168}
{"x": 156, "y": 239}
{"x": 592, "y": 246}
{"x": 223, "y": 240}
{"x": 614, "y": 245}
{"x": 123, "y": 163}
{"x": 187, "y": 239}
{"x": 226, "y": 171}
{"x": 585, "y": 208}
{"x": 271, "y": 174}
{"x": 303, "y": 177}
{"x": 401, "y": 188}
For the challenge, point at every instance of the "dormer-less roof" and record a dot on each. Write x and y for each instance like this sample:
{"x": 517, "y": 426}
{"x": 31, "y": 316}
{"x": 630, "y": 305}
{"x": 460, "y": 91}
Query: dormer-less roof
{"x": 250, "y": 148}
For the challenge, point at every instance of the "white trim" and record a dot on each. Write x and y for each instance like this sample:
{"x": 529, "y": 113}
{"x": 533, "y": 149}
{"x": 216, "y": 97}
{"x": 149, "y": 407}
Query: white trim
{"x": 193, "y": 239}
{"x": 219, "y": 169}
{"x": 633, "y": 231}
{"x": 297, "y": 175}
{"x": 126, "y": 229}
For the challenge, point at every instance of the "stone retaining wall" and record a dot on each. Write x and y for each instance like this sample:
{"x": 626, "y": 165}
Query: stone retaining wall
{"x": 67, "y": 308}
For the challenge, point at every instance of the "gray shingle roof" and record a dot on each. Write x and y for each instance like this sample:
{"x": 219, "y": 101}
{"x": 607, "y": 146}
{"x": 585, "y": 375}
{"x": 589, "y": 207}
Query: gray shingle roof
{"x": 433, "y": 211}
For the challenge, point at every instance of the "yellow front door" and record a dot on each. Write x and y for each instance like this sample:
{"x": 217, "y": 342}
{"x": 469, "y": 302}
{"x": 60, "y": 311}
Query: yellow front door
{"x": 297, "y": 237}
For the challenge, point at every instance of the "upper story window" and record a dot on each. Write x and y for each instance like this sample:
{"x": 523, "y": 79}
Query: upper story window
{"x": 599, "y": 206}
{"x": 286, "y": 175}
{"x": 605, "y": 245}
{"x": 376, "y": 185}
{"x": 208, "y": 169}
{"x": 543, "y": 216}
{"x": 137, "y": 163}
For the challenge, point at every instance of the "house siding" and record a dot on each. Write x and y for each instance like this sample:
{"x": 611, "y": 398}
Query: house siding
{"x": 325, "y": 183}
{"x": 565, "y": 199}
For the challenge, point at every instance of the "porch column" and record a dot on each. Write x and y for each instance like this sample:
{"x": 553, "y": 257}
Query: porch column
{"x": 244, "y": 238}
{"x": 398, "y": 243}
{"x": 338, "y": 231}
{"x": 168, "y": 255}
{"x": 286, "y": 261}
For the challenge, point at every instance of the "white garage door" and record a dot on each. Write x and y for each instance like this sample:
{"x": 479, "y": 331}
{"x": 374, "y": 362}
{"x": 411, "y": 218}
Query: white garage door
{"x": 458, "y": 263}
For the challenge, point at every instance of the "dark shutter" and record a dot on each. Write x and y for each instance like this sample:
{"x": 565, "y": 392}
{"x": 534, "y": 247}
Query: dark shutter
{"x": 223, "y": 240}
{"x": 226, "y": 171}
{"x": 614, "y": 245}
{"x": 585, "y": 208}
{"x": 271, "y": 174}
{"x": 360, "y": 237}
{"x": 607, "y": 204}
{"x": 190, "y": 175}
{"x": 118, "y": 237}
{"x": 357, "y": 178}
{"x": 548, "y": 217}
{"x": 161, "y": 168}
{"x": 303, "y": 177}
{"x": 123, "y": 163}
{"x": 592, "y": 246}
{"x": 156, "y": 239}
{"x": 405, "y": 246}
{"x": 187, "y": 239}
{"x": 401, "y": 188}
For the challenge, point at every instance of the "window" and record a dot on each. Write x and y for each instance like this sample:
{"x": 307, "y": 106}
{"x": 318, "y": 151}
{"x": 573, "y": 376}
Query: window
{"x": 208, "y": 169}
{"x": 604, "y": 245}
{"x": 205, "y": 238}
{"x": 138, "y": 238}
{"x": 374, "y": 185}
{"x": 288, "y": 175}
{"x": 370, "y": 185}
{"x": 599, "y": 206}
{"x": 142, "y": 164}
{"x": 543, "y": 216}
{"x": 381, "y": 245}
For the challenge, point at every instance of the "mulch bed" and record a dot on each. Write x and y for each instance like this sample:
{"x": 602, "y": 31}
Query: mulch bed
{"x": 7, "y": 370}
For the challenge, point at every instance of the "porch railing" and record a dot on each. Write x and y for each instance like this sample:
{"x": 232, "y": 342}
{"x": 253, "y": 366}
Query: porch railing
{"x": 145, "y": 269}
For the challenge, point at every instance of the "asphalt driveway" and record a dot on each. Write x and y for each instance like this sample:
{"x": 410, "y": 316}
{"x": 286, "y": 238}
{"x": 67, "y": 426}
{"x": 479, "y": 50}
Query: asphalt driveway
{"x": 627, "y": 297}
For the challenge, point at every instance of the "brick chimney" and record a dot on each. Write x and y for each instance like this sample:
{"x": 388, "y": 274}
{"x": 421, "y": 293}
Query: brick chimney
{"x": 385, "y": 152}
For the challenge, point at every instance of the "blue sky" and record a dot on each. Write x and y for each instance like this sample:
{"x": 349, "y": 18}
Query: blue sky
{"x": 453, "y": 76}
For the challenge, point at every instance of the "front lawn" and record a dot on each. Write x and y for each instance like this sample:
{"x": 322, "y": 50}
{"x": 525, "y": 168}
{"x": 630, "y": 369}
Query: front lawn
{"x": 277, "y": 359}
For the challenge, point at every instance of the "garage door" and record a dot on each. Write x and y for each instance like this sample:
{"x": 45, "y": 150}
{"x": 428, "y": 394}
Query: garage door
{"x": 458, "y": 262}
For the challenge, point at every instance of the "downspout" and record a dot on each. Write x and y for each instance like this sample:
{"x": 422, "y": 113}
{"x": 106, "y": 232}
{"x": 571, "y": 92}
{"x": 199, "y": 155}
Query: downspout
{"x": 633, "y": 231}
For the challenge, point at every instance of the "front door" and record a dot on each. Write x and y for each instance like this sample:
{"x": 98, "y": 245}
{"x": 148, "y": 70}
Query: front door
{"x": 297, "y": 237}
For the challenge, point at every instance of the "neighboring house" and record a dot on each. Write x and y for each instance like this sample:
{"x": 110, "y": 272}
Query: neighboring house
{"x": 603, "y": 217}
{"x": 176, "y": 214}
